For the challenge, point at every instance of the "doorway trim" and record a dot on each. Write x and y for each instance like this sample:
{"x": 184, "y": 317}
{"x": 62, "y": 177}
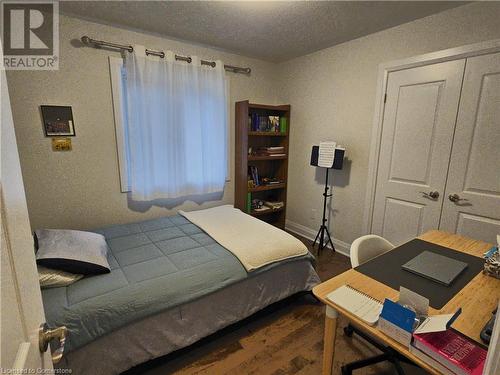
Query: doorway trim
{"x": 456, "y": 53}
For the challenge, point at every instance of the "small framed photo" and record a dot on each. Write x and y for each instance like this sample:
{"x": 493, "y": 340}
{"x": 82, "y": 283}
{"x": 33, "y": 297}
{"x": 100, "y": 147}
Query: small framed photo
{"x": 57, "y": 121}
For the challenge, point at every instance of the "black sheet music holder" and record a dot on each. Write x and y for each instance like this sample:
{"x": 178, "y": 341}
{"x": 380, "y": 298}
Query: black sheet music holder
{"x": 323, "y": 232}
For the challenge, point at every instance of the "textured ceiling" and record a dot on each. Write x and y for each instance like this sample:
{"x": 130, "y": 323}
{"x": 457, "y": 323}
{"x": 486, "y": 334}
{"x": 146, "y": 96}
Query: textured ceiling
{"x": 269, "y": 30}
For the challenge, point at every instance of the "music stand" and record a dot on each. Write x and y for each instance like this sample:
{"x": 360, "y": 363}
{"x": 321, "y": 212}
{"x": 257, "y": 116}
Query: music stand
{"x": 338, "y": 162}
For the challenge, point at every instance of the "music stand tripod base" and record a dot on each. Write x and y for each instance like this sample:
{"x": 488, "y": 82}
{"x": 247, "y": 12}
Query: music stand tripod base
{"x": 323, "y": 229}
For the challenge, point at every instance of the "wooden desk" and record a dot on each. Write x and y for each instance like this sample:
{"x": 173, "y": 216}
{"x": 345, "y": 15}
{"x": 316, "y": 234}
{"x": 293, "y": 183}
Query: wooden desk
{"x": 477, "y": 300}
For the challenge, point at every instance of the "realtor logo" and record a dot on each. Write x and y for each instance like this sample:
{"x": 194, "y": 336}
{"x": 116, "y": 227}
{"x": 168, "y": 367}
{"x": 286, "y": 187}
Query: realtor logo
{"x": 30, "y": 35}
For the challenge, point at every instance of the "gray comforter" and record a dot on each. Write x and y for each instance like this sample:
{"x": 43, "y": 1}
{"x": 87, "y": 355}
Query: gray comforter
{"x": 155, "y": 265}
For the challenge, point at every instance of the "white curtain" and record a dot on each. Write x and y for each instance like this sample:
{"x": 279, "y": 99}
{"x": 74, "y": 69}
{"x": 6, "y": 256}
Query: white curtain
{"x": 176, "y": 126}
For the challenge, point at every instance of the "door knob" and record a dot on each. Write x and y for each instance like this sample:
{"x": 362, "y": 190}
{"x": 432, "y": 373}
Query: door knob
{"x": 455, "y": 198}
{"x": 431, "y": 194}
{"x": 46, "y": 335}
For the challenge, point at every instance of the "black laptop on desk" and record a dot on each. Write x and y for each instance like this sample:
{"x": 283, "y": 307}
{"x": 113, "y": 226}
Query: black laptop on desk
{"x": 438, "y": 268}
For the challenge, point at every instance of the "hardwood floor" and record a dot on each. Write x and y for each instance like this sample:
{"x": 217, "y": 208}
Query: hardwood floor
{"x": 286, "y": 338}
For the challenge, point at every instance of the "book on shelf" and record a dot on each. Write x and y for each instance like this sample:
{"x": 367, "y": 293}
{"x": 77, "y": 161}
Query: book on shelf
{"x": 253, "y": 174}
{"x": 274, "y": 123}
{"x": 249, "y": 202}
{"x": 276, "y": 155}
{"x": 453, "y": 350}
{"x": 283, "y": 125}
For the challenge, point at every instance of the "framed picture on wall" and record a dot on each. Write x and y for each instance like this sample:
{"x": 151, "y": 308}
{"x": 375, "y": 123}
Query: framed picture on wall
{"x": 57, "y": 121}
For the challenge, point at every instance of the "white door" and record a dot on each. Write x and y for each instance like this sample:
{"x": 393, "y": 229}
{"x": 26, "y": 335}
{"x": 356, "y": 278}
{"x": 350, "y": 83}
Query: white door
{"x": 472, "y": 199}
{"x": 21, "y": 302}
{"x": 417, "y": 132}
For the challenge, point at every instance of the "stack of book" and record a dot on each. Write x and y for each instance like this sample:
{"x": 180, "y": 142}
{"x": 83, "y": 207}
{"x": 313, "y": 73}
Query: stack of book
{"x": 271, "y": 181}
{"x": 272, "y": 124}
{"x": 450, "y": 352}
{"x": 274, "y": 205}
{"x": 271, "y": 151}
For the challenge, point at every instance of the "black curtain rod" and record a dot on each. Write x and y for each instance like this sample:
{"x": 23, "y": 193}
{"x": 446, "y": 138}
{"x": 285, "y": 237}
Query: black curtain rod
{"x": 97, "y": 43}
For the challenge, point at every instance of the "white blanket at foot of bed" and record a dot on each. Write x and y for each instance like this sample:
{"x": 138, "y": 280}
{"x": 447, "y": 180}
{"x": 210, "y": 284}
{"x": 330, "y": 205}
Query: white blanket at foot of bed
{"x": 254, "y": 242}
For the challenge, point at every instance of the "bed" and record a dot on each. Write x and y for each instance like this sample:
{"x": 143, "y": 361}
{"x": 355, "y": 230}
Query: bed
{"x": 170, "y": 285}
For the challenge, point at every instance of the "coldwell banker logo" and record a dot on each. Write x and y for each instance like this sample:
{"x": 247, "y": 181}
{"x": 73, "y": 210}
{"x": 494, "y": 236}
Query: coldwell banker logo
{"x": 30, "y": 35}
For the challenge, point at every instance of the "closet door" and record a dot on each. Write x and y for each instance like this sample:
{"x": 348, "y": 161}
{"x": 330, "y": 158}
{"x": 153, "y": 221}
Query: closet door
{"x": 417, "y": 132}
{"x": 472, "y": 202}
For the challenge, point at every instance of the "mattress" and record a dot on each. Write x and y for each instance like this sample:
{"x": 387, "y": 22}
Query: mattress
{"x": 156, "y": 265}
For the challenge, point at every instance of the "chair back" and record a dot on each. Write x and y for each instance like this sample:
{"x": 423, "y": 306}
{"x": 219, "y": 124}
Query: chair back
{"x": 367, "y": 247}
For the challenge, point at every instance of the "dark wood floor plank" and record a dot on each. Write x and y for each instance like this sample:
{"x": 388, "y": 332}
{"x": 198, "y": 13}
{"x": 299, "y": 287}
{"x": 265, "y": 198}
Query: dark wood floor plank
{"x": 273, "y": 355}
{"x": 259, "y": 334}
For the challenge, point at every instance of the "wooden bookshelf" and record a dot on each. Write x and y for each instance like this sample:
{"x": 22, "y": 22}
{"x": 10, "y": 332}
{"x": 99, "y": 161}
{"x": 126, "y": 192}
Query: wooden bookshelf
{"x": 256, "y": 158}
{"x": 267, "y": 212}
{"x": 268, "y": 166}
{"x": 266, "y": 187}
{"x": 266, "y": 134}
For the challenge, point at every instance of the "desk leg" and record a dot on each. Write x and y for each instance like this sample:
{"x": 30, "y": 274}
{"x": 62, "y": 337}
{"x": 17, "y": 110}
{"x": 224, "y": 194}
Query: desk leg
{"x": 329, "y": 340}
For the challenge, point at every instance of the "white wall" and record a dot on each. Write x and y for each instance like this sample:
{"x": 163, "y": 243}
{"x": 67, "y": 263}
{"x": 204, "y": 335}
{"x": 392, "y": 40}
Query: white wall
{"x": 332, "y": 94}
{"x": 80, "y": 189}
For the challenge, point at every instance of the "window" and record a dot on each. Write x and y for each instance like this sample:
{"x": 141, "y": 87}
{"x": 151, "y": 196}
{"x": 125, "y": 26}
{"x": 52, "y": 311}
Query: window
{"x": 120, "y": 116}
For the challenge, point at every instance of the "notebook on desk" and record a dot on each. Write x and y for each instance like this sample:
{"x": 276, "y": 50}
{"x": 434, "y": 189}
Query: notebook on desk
{"x": 363, "y": 306}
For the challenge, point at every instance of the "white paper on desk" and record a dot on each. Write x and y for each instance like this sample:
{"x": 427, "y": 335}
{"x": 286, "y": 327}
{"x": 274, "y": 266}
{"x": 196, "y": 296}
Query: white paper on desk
{"x": 326, "y": 154}
{"x": 435, "y": 323}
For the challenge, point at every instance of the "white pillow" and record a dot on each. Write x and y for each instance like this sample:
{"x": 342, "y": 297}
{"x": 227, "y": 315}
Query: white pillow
{"x": 50, "y": 278}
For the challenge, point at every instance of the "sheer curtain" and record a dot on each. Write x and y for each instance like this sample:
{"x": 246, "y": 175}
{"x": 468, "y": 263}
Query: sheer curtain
{"x": 176, "y": 126}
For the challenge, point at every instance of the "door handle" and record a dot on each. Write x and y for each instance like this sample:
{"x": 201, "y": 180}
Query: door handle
{"x": 431, "y": 194}
{"x": 455, "y": 198}
{"x": 46, "y": 335}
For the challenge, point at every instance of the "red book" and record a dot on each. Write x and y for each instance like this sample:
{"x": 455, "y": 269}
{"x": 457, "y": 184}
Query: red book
{"x": 453, "y": 350}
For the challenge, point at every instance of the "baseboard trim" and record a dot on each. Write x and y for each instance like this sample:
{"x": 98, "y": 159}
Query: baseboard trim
{"x": 340, "y": 246}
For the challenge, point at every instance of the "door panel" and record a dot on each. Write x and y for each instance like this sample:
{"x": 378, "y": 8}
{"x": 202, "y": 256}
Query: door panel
{"x": 414, "y": 133}
{"x": 417, "y": 132}
{"x": 11, "y": 322}
{"x": 484, "y": 177}
{"x": 402, "y": 219}
{"x": 474, "y": 174}
{"x": 19, "y": 274}
{"x": 476, "y": 226}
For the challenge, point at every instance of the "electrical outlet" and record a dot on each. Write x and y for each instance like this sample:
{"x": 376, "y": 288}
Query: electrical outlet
{"x": 314, "y": 214}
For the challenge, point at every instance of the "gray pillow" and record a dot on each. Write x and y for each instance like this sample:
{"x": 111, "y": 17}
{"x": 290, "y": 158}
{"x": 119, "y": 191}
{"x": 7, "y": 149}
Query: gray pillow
{"x": 72, "y": 251}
